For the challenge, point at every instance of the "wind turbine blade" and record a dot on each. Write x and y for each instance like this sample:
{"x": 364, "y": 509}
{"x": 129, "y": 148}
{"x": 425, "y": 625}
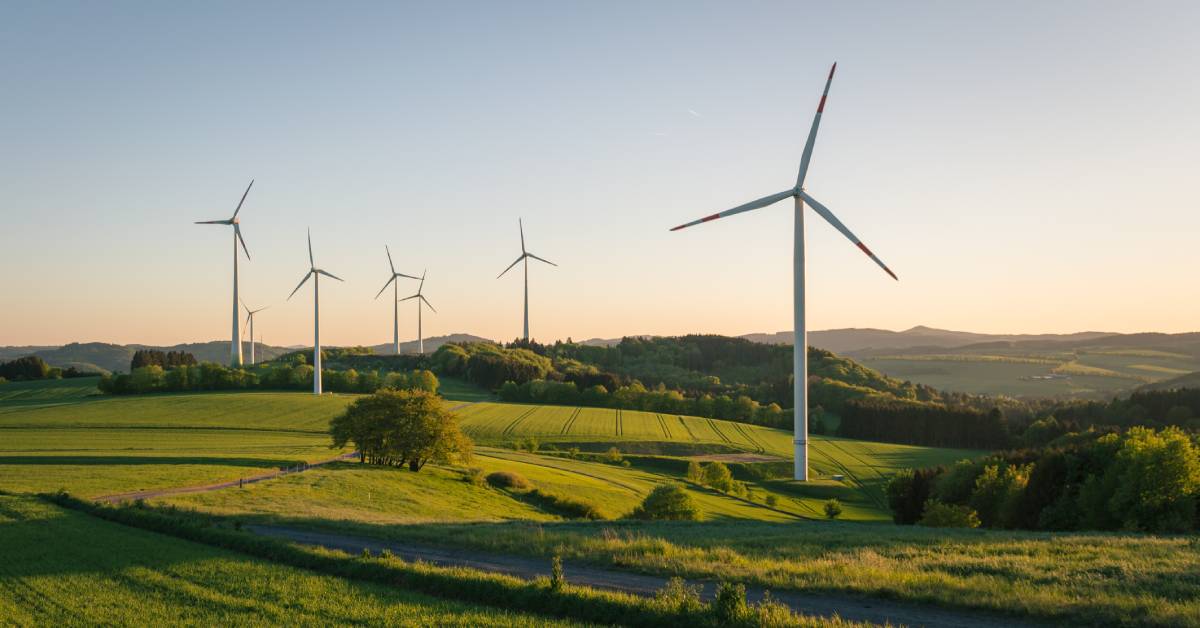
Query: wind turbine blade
{"x": 247, "y": 324}
{"x": 390, "y": 264}
{"x": 427, "y": 303}
{"x": 762, "y": 202}
{"x": 541, "y": 260}
{"x": 511, "y": 265}
{"x": 330, "y": 275}
{"x": 306, "y": 276}
{"x": 237, "y": 230}
{"x": 415, "y": 296}
{"x": 214, "y": 222}
{"x": 239, "y": 207}
{"x": 406, "y": 276}
{"x": 311, "y": 263}
{"x": 266, "y": 307}
{"x": 389, "y": 282}
{"x": 837, "y": 224}
{"x": 521, "y": 226}
{"x": 812, "y": 133}
{"x": 243, "y": 302}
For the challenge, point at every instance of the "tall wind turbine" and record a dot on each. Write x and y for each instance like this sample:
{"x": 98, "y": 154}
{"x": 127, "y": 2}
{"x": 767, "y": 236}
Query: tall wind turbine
{"x": 420, "y": 297}
{"x": 800, "y": 340}
{"x": 525, "y": 255}
{"x": 315, "y": 273}
{"x": 395, "y": 299}
{"x": 250, "y": 323}
{"x": 235, "y": 344}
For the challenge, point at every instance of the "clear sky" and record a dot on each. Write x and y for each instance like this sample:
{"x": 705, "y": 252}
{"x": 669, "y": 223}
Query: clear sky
{"x": 1023, "y": 166}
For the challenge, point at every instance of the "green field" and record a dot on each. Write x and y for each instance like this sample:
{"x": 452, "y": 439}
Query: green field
{"x": 61, "y": 567}
{"x": 1093, "y": 373}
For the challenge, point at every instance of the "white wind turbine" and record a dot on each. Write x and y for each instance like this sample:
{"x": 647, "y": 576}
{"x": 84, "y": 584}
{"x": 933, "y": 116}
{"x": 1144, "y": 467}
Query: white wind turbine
{"x": 395, "y": 300}
{"x": 235, "y": 344}
{"x": 315, "y": 273}
{"x": 800, "y": 340}
{"x": 250, "y": 324}
{"x": 420, "y": 298}
{"x": 525, "y": 255}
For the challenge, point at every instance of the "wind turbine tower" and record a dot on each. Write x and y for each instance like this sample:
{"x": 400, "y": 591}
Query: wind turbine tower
{"x": 235, "y": 344}
{"x": 315, "y": 273}
{"x": 525, "y": 256}
{"x": 420, "y": 298}
{"x": 250, "y": 324}
{"x": 800, "y": 340}
{"x": 395, "y": 300}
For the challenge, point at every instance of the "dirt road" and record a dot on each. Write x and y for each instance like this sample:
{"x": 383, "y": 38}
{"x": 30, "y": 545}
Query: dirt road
{"x": 852, "y": 608}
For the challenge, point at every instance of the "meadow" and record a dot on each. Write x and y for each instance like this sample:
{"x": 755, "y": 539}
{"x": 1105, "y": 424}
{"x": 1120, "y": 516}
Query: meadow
{"x": 63, "y": 567}
{"x": 1095, "y": 372}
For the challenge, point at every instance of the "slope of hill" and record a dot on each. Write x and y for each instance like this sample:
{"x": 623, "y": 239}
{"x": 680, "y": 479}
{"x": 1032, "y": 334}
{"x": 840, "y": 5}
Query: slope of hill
{"x": 431, "y": 344}
{"x": 851, "y": 340}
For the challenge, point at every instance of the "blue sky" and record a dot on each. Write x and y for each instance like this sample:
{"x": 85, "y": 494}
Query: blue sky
{"x": 1022, "y": 166}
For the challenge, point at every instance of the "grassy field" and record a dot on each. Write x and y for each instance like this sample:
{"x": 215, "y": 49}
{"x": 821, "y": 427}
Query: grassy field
{"x": 64, "y": 568}
{"x": 1080, "y": 579}
{"x": 1094, "y": 373}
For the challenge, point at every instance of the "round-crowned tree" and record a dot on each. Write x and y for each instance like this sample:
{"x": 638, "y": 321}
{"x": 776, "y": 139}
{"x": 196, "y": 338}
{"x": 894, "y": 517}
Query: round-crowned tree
{"x": 401, "y": 427}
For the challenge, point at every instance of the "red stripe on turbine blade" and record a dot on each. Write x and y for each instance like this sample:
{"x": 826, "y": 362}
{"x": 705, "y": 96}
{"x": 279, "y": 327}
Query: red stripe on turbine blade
{"x": 831, "y": 70}
{"x": 889, "y": 271}
{"x": 712, "y": 217}
{"x": 696, "y": 222}
{"x": 821, "y": 107}
{"x": 865, "y": 249}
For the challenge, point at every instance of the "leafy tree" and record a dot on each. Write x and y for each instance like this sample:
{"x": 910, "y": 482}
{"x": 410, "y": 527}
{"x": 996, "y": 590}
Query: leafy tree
{"x": 401, "y": 427}
{"x": 833, "y": 509}
{"x": 695, "y": 473}
{"x": 942, "y": 515}
{"x": 669, "y": 502}
{"x": 718, "y": 476}
{"x": 907, "y": 493}
{"x": 1158, "y": 480}
{"x": 997, "y": 495}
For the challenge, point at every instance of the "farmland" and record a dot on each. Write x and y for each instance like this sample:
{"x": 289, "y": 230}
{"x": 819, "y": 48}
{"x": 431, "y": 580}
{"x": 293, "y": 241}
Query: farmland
{"x": 1023, "y": 370}
{"x": 62, "y": 568}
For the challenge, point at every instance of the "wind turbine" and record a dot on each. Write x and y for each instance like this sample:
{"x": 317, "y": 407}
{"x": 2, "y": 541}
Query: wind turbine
{"x": 800, "y": 340}
{"x": 420, "y": 297}
{"x": 315, "y": 273}
{"x": 525, "y": 255}
{"x": 395, "y": 299}
{"x": 250, "y": 323}
{"x": 235, "y": 345}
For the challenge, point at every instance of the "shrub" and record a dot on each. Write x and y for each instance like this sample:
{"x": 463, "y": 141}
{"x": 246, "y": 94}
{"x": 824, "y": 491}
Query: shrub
{"x": 574, "y": 507}
{"x": 667, "y": 502}
{"x": 695, "y": 473}
{"x": 558, "y": 579}
{"x": 833, "y": 509}
{"x": 508, "y": 479}
{"x": 718, "y": 476}
{"x": 476, "y": 477}
{"x": 679, "y": 596}
{"x": 942, "y": 515}
{"x": 729, "y": 607}
{"x": 772, "y": 500}
{"x": 613, "y": 455}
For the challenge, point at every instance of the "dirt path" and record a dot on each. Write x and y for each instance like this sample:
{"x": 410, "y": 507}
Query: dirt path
{"x": 204, "y": 488}
{"x": 851, "y": 608}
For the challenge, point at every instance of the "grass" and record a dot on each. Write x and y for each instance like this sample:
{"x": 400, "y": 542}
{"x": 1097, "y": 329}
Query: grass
{"x": 1099, "y": 579}
{"x": 62, "y": 567}
{"x": 47, "y": 391}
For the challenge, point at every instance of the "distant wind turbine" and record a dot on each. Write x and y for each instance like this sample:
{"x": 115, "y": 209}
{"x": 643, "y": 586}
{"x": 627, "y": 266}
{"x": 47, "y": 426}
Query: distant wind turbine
{"x": 420, "y": 298}
{"x": 235, "y": 344}
{"x": 250, "y": 324}
{"x": 800, "y": 340}
{"x": 525, "y": 255}
{"x": 315, "y": 273}
{"x": 395, "y": 299}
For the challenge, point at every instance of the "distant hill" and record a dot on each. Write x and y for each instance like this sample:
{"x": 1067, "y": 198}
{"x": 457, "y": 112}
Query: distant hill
{"x": 1191, "y": 380}
{"x": 431, "y": 344}
{"x": 105, "y": 357}
{"x": 851, "y": 340}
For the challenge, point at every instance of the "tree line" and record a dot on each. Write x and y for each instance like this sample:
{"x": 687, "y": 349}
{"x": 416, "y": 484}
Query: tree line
{"x": 1139, "y": 479}
{"x": 165, "y": 359}
{"x": 268, "y": 376}
{"x": 32, "y": 367}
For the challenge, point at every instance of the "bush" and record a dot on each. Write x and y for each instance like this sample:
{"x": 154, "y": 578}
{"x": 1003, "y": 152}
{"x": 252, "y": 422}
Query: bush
{"x": 476, "y": 477}
{"x": 718, "y": 476}
{"x": 942, "y": 515}
{"x": 613, "y": 456}
{"x": 568, "y": 506}
{"x": 695, "y": 473}
{"x": 833, "y": 509}
{"x": 679, "y": 596}
{"x": 729, "y": 607}
{"x": 508, "y": 479}
{"x": 667, "y": 502}
{"x": 558, "y": 579}
{"x": 772, "y": 500}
